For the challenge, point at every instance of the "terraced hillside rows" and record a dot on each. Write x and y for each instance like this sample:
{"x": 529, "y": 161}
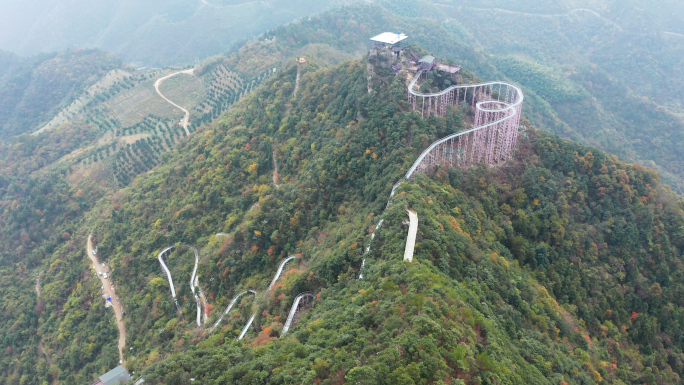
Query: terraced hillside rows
{"x": 135, "y": 126}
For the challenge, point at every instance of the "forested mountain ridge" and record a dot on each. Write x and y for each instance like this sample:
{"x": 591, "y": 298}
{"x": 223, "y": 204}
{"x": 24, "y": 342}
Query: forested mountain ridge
{"x": 35, "y": 88}
{"x": 501, "y": 288}
{"x": 614, "y": 68}
{"x": 590, "y": 245}
{"x": 572, "y": 102}
{"x": 528, "y": 214}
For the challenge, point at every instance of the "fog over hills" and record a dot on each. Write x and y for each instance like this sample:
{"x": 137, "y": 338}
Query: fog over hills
{"x": 144, "y": 33}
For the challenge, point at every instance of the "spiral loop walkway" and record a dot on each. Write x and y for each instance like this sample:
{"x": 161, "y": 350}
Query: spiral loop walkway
{"x": 492, "y": 139}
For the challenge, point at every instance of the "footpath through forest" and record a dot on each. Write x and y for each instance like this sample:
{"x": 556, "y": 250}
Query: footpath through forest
{"x": 108, "y": 288}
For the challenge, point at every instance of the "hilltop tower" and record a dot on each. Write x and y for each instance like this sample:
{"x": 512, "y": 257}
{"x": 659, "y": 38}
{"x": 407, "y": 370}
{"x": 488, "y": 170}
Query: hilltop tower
{"x": 386, "y": 52}
{"x": 386, "y": 49}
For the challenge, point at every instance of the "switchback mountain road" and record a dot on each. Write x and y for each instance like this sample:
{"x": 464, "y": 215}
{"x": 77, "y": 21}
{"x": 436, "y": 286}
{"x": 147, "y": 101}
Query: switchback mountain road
{"x": 186, "y": 118}
{"x": 109, "y": 292}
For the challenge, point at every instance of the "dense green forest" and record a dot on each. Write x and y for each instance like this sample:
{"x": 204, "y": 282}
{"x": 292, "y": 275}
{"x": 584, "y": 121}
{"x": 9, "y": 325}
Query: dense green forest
{"x": 561, "y": 267}
{"x": 504, "y": 287}
{"x": 531, "y": 273}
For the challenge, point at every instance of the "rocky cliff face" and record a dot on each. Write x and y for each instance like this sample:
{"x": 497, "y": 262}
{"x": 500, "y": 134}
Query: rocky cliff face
{"x": 381, "y": 58}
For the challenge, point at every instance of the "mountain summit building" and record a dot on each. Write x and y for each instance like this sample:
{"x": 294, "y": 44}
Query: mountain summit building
{"x": 389, "y": 39}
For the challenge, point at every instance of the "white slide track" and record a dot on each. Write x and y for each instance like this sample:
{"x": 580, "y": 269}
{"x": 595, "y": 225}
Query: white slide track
{"x": 193, "y": 281}
{"x": 509, "y": 114}
{"x": 277, "y": 275}
{"x": 203, "y": 300}
{"x": 230, "y": 307}
{"x": 497, "y": 105}
{"x": 294, "y": 309}
{"x": 280, "y": 270}
{"x": 247, "y": 326}
{"x": 411, "y": 239}
{"x": 363, "y": 261}
{"x": 186, "y": 118}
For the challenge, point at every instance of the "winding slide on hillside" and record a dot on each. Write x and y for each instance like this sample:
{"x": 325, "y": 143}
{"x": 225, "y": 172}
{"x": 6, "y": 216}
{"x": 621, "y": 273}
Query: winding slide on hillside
{"x": 492, "y": 140}
{"x": 230, "y": 307}
{"x": 296, "y": 309}
{"x": 193, "y": 281}
{"x": 232, "y": 303}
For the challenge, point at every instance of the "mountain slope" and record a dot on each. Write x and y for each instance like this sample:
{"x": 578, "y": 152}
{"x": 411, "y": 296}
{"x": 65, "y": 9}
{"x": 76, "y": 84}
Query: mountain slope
{"x": 561, "y": 266}
{"x": 33, "y": 89}
{"x": 621, "y": 86}
{"x": 499, "y": 275}
{"x": 500, "y": 286}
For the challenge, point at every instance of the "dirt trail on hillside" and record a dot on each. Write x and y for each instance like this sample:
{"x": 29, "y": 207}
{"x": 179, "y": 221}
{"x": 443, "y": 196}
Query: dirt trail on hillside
{"x": 276, "y": 175}
{"x": 186, "y": 118}
{"x": 40, "y": 275}
{"x": 109, "y": 292}
{"x": 299, "y": 72}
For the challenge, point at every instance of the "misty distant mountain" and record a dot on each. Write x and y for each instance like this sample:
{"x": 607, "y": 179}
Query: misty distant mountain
{"x": 144, "y": 33}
